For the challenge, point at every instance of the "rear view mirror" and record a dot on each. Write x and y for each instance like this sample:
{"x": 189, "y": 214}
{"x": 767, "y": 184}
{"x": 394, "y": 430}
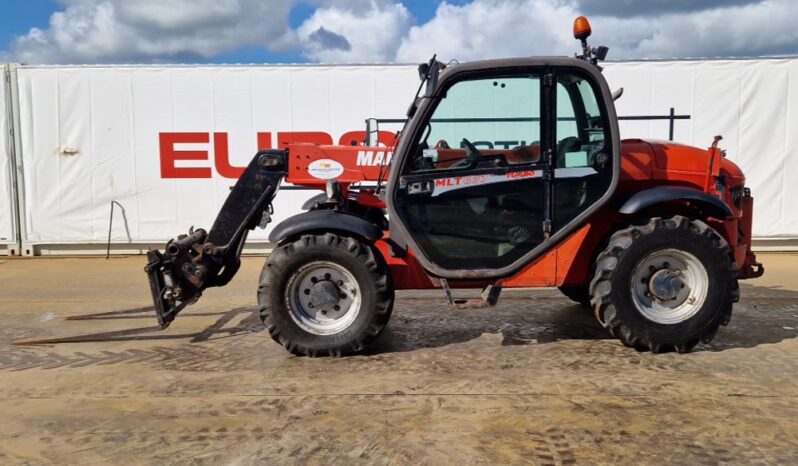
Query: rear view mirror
{"x": 372, "y": 132}
{"x": 423, "y": 69}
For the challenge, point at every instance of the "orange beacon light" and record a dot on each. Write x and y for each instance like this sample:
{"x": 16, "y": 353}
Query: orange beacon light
{"x": 581, "y": 28}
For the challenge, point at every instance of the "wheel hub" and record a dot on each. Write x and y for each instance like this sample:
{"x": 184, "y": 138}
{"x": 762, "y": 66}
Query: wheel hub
{"x": 323, "y": 297}
{"x": 666, "y": 284}
{"x": 669, "y": 286}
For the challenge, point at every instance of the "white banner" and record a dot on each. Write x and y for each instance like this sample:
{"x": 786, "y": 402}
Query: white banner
{"x": 92, "y": 135}
{"x": 164, "y": 141}
{"x": 7, "y": 221}
{"x": 753, "y": 104}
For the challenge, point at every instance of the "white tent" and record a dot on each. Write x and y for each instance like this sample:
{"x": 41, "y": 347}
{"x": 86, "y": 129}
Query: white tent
{"x": 751, "y": 103}
{"x": 91, "y": 135}
{"x": 95, "y": 134}
{"x": 8, "y": 233}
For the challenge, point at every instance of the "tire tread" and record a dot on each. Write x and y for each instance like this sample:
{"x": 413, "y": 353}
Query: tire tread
{"x": 365, "y": 254}
{"x": 607, "y": 261}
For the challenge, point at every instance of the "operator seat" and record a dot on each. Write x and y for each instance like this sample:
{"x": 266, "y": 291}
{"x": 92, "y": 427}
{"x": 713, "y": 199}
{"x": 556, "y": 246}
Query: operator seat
{"x": 569, "y": 144}
{"x": 524, "y": 154}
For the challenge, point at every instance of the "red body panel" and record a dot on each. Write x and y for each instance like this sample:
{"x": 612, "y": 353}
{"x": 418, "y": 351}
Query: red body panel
{"x": 644, "y": 164}
{"x": 352, "y": 158}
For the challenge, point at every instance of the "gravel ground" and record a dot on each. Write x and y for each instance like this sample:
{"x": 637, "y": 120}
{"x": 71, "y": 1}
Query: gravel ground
{"x": 86, "y": 377}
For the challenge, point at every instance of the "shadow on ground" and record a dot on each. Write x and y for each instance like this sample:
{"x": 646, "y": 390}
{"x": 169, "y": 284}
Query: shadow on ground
{"x": 764, "y": 316}
{"x": 249, "y": 324}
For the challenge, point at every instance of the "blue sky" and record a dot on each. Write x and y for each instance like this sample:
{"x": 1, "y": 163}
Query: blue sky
{"x": 28, "y": 14}
{"x": 24, "y": 15}
{"x": 346, "y": 31}
{"x": 422, "y": 10}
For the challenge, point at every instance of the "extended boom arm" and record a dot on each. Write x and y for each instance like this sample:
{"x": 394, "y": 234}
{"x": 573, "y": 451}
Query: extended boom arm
{"x": 201, "y": 259}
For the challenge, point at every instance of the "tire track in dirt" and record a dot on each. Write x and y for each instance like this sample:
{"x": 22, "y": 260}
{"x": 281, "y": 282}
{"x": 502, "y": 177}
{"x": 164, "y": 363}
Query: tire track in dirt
{"x": 425, "y": 430}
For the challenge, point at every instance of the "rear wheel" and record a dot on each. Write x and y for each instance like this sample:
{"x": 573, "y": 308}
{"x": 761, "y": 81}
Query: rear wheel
{"x": 665, "y": 285}
{"x": 325, "y": 295}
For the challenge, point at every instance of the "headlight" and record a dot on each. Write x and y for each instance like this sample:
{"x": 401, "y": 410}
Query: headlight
{"x": 737, "y": 193}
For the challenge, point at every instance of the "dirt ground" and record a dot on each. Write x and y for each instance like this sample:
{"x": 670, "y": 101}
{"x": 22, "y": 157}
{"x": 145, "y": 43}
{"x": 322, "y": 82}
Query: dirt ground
{"x": 533, "y": 380}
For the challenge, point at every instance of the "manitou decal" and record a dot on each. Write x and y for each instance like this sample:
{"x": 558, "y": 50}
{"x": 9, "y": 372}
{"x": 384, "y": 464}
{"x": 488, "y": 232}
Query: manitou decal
{"x": 445, "y": 185}
{"x": 325, "y": 169}
{"x": 461, "y": 181}
{"x": 371, "y": 158}
{"x": 523, "y": 174}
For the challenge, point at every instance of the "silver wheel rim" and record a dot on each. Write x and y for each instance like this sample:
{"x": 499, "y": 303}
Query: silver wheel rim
{"x": 323, "y": 298}
{"x": 669, "y": 286}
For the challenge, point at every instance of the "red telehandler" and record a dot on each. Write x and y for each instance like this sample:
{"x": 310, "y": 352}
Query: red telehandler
{"x": 507, "y": 173}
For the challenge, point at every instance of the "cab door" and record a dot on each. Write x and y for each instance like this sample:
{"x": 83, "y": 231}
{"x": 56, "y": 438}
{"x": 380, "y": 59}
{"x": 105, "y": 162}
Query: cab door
{"x": 502, "y": 164}
{"x": 475, "y": 194}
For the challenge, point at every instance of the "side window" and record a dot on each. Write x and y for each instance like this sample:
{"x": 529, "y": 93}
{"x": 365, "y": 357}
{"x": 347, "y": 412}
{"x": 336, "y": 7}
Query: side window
{"x": 566, "y": 116}
{"x": 499, "y": 117}
{"x": 580, "y": 128}
{"x": 583, "y": 166}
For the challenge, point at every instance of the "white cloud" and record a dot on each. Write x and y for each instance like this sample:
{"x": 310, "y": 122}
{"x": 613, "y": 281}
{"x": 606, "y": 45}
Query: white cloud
{"x": 92, "y": 31}
{"x": 359, "y": 32}
{"x": 113, "y": 31}
{"x": 501, "y": 28}
{"x": 492, "y": 28}
{"x": 764, "y": 28}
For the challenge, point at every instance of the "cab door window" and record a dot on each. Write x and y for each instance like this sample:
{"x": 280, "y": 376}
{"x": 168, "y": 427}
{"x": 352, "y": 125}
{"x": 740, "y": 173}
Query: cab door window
{"x": 497, "y": 116}
{"x": 473, "y": 195}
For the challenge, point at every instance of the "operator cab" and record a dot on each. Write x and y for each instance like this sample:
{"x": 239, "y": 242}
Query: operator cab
{"x": 500, "y": 160}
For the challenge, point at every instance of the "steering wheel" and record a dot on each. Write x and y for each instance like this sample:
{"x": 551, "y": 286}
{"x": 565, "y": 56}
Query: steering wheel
{"x": 471, "y": 150}
{"x": 473, "y": 155}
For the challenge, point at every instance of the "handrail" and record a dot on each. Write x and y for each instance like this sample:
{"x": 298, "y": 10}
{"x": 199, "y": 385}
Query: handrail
{"x": 671, "y": 117}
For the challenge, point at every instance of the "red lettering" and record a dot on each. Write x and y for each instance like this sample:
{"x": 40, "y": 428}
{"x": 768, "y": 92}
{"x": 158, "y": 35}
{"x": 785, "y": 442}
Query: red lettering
{"x": 169, "y": 155}
{"x": 444, "y": 182}
{"x": 221, "y": 158}
{"x": 264, "y": 141}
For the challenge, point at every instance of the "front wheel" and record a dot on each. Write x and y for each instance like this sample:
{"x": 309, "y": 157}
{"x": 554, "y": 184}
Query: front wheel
{"x": 325, "y": 295}
{"x": 665, "y": 285}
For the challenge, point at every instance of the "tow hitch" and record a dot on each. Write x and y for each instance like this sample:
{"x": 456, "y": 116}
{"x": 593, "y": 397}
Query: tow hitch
{"x": 199, "y": 260}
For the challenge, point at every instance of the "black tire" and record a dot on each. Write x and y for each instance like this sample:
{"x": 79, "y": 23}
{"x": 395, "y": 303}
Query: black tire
{"x": 577, "y": 293}
{"x": 367, "y": 268}
{"x": 611, "y": 287}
